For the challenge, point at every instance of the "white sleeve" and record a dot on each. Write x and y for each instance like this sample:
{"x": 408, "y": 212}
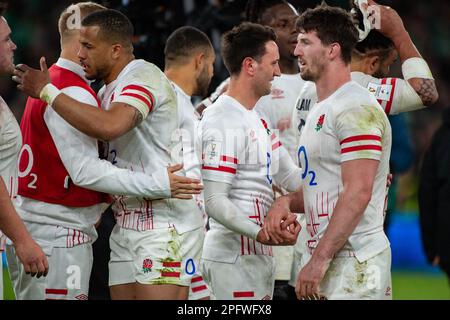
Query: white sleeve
{"x": 79, "y": 154}
{"x": 288, "y": 174}
{"x": 395, "y": 95}
{"x": 137, "y": 95}
{"x": 220, "y": 208}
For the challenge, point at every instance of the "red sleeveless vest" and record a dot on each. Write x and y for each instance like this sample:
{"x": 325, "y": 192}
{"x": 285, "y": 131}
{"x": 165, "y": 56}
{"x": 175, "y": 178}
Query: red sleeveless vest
{"x": 42, "y": 175}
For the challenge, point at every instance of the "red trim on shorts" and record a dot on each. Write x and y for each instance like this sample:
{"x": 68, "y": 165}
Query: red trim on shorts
{"x": 172, "y": 264}
{"x": 56, "y": 291}
{"x": 170, "y": 274}
{"x": 196, "y": 279}
{"x": 243, "y": 294}
{"x": 220, "y": 168}
{"x": 199, "y": 288}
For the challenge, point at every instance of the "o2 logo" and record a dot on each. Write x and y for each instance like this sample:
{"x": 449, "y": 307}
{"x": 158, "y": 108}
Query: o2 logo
{"x": 190, "y": 267}
{"x": 306, "y": 171}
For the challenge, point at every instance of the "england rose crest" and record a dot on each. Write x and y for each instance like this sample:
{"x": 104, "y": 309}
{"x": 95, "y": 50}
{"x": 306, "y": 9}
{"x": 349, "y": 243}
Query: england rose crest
{"x": 147, "y": 265}
{"x": 320, "y": 122}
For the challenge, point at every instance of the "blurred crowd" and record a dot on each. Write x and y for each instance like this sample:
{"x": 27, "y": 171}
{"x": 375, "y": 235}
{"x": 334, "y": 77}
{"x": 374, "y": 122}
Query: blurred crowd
{"x": 34, "y": 25}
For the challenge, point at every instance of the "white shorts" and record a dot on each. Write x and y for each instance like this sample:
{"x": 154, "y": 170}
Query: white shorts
{"x": 348, "y": 279}
{"x": 69, "y": 268}
{"x": 158, "y": 256}
{"x": 199, "y": 288}
{"x": 67, "y": 279}
{"x": 250, "y": 277}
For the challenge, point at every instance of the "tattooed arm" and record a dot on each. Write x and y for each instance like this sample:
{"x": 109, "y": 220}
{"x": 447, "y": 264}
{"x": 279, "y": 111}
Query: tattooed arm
{"x": 101, "y": 124}
{"x": 391, "y": 25}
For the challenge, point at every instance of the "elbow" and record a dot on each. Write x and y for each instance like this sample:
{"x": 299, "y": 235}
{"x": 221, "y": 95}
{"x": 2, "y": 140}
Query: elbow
{"x": 364, "y": 195}
{"x": 108, "y": 132}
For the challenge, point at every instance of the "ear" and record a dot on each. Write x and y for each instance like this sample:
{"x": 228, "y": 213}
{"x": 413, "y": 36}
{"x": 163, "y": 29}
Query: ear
{"x": 199, "y": 60}
{"x": 116, "y": 51}
{"x": 334, "y": 50}
{"x": 373, "y": 64}
{"x": 249, "y": 66}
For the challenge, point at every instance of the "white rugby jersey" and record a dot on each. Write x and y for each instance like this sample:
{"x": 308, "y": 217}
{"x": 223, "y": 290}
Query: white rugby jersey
{"x": 348, "y": 125}
{"x": 276, "y": 108}
{"x": 240, "y": 150}
{"x": 190, "y": 153}
{"x": 148, "y": 147}
{"x": 10, "y": 144}
{"x": 395, "y": 96}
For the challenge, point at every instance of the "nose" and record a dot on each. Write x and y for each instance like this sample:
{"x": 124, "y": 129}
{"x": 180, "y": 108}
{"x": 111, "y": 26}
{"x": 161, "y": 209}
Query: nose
{"x": 81, "y": 54}
{"x": 277, "y": 71}
{"x": 298, "y": 52}
{"x": 13, "y": 46}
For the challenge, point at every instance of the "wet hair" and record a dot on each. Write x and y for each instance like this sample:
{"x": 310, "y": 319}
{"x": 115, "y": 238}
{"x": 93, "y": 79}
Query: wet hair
{"x": 332, "y": 25}
{"x": 115, "y": 27}
{"x": 374, "y": 44}
{"x": 183, "y": 43}
{"x": 255, "y": 9}
{"x": 245, "y": 40}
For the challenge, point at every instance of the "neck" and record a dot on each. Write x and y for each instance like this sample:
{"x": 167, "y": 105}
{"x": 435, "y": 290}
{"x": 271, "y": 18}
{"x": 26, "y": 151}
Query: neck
{"x": 288, "y": 66}
{"x": 332, "y": 78}
{"x": 358, "y": 65}
{"x": 117, "y": 68}
{"x": 70, "y": 52}
{"x": 183, "y": 77}
{"x": 241, "y": 89}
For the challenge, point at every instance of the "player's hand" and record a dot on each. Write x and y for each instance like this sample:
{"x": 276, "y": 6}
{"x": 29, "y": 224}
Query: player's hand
{"x": 182, "y": 187}
{"x": 32, "y": 81}
{"x": 309, "y": 278}
{"x": 391, "y": 25}
{"x": 32, "y": 257}
{"x": 278, "y": 213}
{"x": 289, "y": 235}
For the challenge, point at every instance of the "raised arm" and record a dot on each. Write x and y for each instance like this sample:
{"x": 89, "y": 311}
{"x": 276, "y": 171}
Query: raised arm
{"x": 414, "y": 68}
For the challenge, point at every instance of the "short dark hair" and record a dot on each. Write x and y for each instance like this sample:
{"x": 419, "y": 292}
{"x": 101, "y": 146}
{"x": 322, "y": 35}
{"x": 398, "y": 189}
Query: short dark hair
{"x": 115, "y": 27}
{"x": 183, "y": 43}
{"x": 374, "y": 44}
{"x": 3, "y": 6}
{"x": 332, "y": 25}
{"x": 255, "y": 9}
{"x": 245, "y": 40}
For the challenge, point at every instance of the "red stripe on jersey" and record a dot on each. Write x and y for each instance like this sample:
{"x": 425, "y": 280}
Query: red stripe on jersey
{"x": 361, "y": 137}
{"x": 273, "y": 136}
{"x": 220, "y": 168}
{"x": 176, "y": 264}
{"x": 276, "y": 145}
{"x": 170, "y": 274}
{"x": 196, "y": 279}
{"x": 389, "y": 103}
{"x": 199, "y": 288}
{"x": 137, "y": 96}
{"x": 229, "y": 159}
{"x": 139, "y": 88}
{"x": 242, "y": 245}
{"x": 243, "y": 294}
{"x": 56, "y": 291}
{"x": 359, "y": 148}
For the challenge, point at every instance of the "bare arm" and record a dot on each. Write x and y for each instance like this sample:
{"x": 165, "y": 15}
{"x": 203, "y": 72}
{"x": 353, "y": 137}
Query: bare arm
{"x": 101, "y": 124}
{"x": 391, "y": 25}
{"x": 358, "y": 177}
{"x": 29, "y": 253}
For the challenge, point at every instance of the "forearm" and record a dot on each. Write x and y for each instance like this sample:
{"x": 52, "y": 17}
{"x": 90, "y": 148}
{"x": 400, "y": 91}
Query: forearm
{"x": 289, "y": 174}
{"x": 346, "y": 215}
{"x": 10, "y": 222}
{"x": 94, "y": 122}
{"x": 419, "y": 77}
{"x": 220, "y": 208}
